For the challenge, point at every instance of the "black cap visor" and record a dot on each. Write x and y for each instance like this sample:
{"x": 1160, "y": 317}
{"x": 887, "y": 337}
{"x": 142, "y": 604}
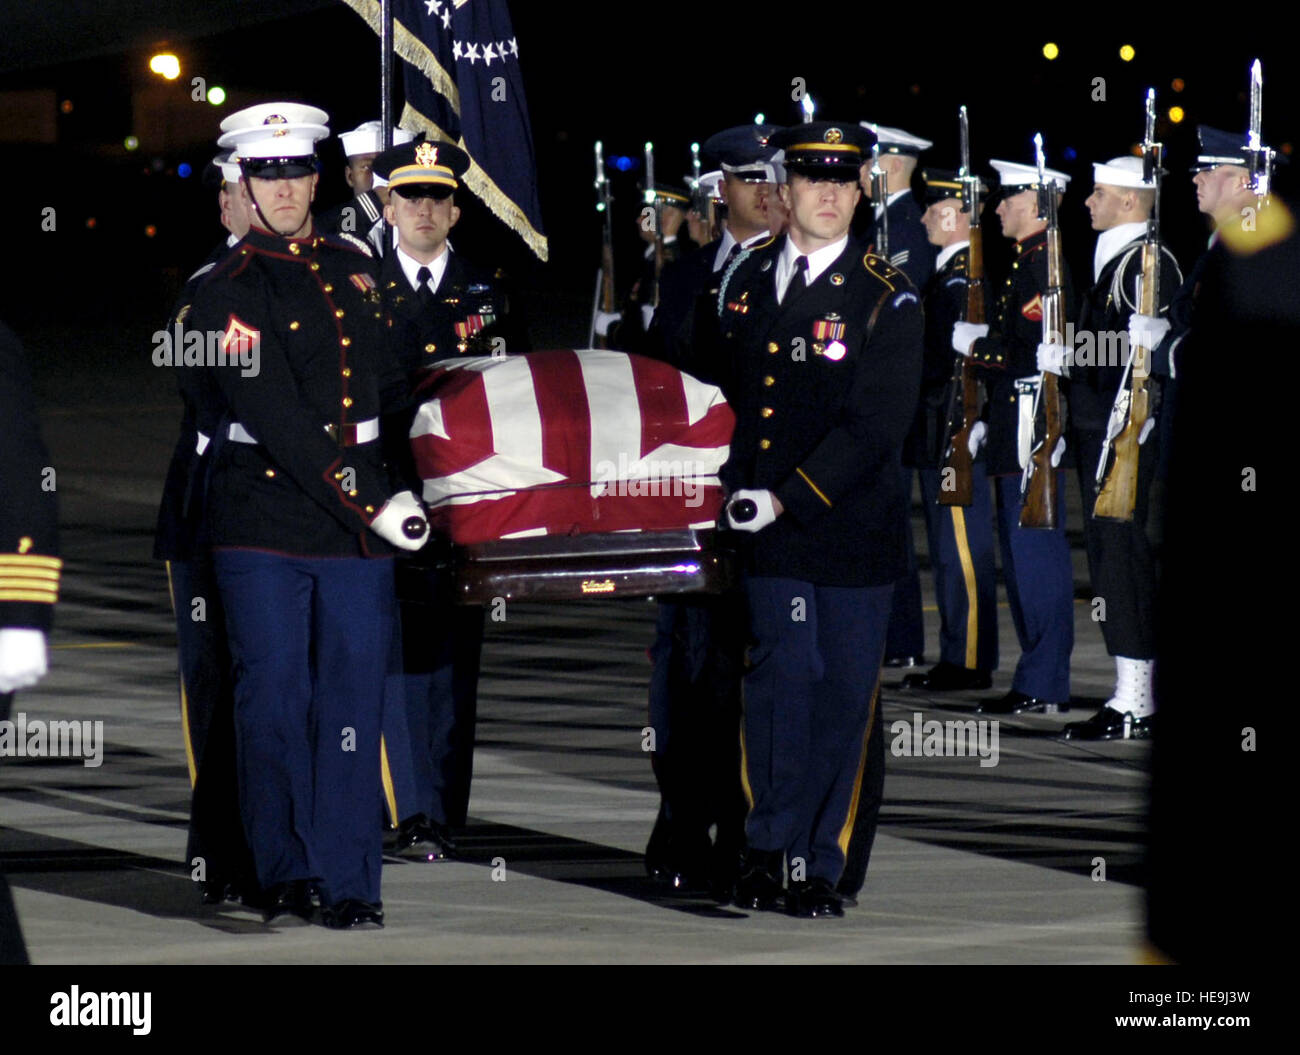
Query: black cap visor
{"x": 415, "y": 191}
{"x": 278, "y": 168}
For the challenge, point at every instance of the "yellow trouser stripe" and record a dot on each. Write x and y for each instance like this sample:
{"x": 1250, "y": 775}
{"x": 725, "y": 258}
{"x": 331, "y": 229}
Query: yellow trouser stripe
{"x": 185, "y": 701}
{"x": 29, "y": 560}
{"x": 36, "y": 596}
{"x": 390, "y": 796}
{"x": 29, "y": 573}
{"x": 972, "y": 595}
{"x": 847, "y": 831}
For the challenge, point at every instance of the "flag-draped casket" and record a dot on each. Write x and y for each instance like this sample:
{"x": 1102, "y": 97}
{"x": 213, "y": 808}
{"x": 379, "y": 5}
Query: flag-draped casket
{"x": 564, "y": 445}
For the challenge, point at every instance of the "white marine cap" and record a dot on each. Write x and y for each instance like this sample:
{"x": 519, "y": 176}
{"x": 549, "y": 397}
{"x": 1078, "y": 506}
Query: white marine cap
{"x": 274, "y": 130}
{"x": 710, "y": 182}
{"x": 1017, "y": 177}
{"x": 895, "y": 140}
{"x": 229, "y": 167}
{"x": 1120, "y": 172}
{"x": 367, "y": 138}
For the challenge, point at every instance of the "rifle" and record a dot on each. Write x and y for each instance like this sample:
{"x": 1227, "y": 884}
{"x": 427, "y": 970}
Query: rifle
{"x": 1117, "y": 478}
{"x": 880, "y": 199}
{"x": 652, "y": 198}
{"x": 1259, "y": 158}
{"x": 604, "y": 298}
{"x": 1038, "y": 483}
{"x": 958, "y": 462}
{"x": 701, "y": 200}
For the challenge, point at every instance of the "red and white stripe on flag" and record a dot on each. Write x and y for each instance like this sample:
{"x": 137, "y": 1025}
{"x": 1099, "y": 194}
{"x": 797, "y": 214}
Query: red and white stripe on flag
{"x": 568, "y": 442}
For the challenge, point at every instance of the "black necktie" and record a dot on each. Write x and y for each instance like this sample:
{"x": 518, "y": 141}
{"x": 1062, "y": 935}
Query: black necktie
{"x": 796, "y": 284}
{"x": 424, "y": 293}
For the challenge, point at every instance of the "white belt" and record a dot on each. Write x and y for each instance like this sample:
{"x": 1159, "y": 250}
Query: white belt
{"x": 365, "y": 432}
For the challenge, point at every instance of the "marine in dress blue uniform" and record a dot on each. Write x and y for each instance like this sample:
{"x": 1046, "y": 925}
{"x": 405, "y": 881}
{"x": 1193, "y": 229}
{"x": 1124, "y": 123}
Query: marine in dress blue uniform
{"x": 960, "y": 538}
{"x": 912, "y": 253}
{"x": 698, "y": 651}
{"x": 825, "y": 339}
{"x": 1121, "y": 560}
{"x": 440, "y": 306}
{"x": 217, "y": 850}
{"x": 302, "y": 516}
{"x": 1035, "y": 562}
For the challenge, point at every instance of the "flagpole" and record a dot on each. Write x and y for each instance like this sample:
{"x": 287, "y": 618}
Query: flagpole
{"x": 386, "y": 72}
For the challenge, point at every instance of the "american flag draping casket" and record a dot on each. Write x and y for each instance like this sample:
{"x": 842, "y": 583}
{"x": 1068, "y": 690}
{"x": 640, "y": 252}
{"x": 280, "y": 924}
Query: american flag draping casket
{"x": 566, "y": 455}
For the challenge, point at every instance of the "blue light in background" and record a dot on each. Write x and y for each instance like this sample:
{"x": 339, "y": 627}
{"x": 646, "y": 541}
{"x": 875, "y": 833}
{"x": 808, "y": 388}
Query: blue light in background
{"x": 1069, "y": 153}
{"x": 183, "y": 170}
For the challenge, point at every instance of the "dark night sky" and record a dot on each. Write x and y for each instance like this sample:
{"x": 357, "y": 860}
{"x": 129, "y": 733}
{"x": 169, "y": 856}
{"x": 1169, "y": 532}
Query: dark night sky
{"x": 601, "y": 71}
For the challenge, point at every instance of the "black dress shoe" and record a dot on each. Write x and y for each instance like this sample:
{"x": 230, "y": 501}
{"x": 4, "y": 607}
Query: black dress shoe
{"x": 759, "y": 886}
{"x": 903, "y": 661}
{"x": 353, "y": 912}
{"x": 419, "y": 839}
{"x": 1109, "y": 724}
{"x": 1018, "y": 703}
{"x": 948, "y": 677}
{"x": 288, "y": 899}
{"x": 814, "y": 899}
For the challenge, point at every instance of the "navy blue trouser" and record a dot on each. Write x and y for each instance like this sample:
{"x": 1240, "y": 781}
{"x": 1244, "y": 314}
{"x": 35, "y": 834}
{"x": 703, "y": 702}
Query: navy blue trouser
{"x": 965, "y": 571}
{"x": 1040, "y": 588}
{"x": 906, "y": 634}
{"x": 813, "y": 669}
{"x": 310, "y": 641}
{"x": 442, "y": 644}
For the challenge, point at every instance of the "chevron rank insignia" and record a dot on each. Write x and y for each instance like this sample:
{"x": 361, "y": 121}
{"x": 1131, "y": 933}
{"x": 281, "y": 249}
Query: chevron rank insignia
{"x": 1033, "y": 311}
{"x": 240, "y": 338}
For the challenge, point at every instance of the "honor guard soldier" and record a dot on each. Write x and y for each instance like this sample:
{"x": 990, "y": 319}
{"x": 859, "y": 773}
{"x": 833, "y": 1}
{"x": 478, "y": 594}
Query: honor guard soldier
{"x": 960, "y": 538}
{"x": 1121, "y": 563}
{"x": 440, "y": 307}
{"x": 628, "y": 329}
{"x": 911, "y": 252}
{"x": 1035, "y": 562}
{"x": 29, "y": 563}
{"x": 216, "y": 851}
{"x": 363, "y": 215}
{"x": 302, "y": 519}
{"x": 699, "y": 642}
{"x": 826, "y": 340}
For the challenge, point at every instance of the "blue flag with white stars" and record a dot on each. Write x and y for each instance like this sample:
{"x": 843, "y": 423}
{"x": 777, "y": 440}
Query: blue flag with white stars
{"x": 463, "y": 85}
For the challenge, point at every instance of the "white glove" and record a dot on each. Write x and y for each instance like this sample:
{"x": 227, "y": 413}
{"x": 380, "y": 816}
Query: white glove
{"x": 647, "y": 313}
{"x": 964, "y": 334}
{"x": 1051, "y": 359}
{"x": 606, "y": 319}
{"x": 22, "y": 658}
{"x": 1059, "y": 453}
{"x": 1146, "y": 430}
{"x": 388, "y": 524}
{"x": 975, "y": 440}
{"x": 766, "y": 510}
{"x": 1146, "y": 331}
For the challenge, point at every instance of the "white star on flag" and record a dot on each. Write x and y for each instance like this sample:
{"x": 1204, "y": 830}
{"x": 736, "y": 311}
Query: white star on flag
{"x": 471, "y": 53}
{"x": 502, "y": 50}
{"x": 455, "y": 49}
{"x": 488, "y": 54}
{"x": 514, "y": 48}
{"x": 446, "y": 20}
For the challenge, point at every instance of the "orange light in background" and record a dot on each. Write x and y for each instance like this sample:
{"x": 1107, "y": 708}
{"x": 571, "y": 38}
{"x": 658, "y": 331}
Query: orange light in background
{"x": 1050, "y": 51}
{"x": 90, "y": 222}
{"x": 65, "y": 106}
{"x": 166, "y": 65}
{"x": 1176, "y": 114}
{"x": 1178, "y": 85}
{"x": 1126, "y": 53}
{"x": 1286, "y": 148}
{"x": 150, "y": 231}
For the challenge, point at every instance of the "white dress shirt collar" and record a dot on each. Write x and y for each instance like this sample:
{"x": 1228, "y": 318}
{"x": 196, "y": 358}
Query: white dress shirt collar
{"x": 411, "y": 267}
{"x": 818, "y": 261}
{"x": 1111, "y": 241}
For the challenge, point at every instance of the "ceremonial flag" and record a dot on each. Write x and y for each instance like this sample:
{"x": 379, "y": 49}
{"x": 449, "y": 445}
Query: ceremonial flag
{"x": 463, "y": 85}
{"x": 565, "y": 442}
